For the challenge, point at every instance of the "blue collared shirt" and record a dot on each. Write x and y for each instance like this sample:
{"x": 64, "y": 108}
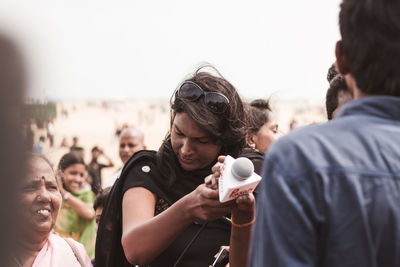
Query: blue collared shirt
{"x": 330, "y": 194}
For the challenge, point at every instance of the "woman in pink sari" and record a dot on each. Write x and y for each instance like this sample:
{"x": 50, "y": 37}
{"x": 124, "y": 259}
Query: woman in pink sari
{"x": 39, "y": 202}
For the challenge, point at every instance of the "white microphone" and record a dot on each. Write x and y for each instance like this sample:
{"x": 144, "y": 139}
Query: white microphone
{"x": 237, "y": 178}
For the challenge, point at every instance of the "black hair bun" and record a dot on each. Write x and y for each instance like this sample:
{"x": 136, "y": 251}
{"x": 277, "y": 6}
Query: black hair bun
{"x": 332, "y": 73}
{"x": 260, "y": 103}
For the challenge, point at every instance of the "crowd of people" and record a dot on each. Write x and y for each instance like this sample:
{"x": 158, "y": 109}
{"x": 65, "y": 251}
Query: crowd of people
{"x": 329, "y": 196}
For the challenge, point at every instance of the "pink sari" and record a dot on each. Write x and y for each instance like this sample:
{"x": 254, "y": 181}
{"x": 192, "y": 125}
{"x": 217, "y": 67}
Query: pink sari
{"x": 57, "y": 253}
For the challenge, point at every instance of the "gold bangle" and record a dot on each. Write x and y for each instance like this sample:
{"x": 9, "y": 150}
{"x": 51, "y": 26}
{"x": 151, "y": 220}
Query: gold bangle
{"x": 243, "y": 224}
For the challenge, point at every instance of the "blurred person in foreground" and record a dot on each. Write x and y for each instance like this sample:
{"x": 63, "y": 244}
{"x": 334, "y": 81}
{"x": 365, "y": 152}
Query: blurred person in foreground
{"x": 131, "y": 140}
{"x": 12, "y": 164}
{"x": 38, "y": 206}
{"x": 163, "y": 211}
{"x": 76, "y": 218}
{"x": 262, "y": 125}
{"x": 338, "y": 93}
{"x": 331, "y": 193}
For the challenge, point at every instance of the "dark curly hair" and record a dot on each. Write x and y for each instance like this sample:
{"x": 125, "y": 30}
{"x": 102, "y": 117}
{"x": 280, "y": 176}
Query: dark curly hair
{"x": 371, "y": 42}
{"x": 226, "y": 129}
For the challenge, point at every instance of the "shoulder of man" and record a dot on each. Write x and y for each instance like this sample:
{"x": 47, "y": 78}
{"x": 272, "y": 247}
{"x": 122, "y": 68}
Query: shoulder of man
{"x": 306, "y": 148}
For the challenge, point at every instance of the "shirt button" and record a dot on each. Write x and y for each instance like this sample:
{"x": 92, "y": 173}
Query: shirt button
{"x": 145, "y": 169}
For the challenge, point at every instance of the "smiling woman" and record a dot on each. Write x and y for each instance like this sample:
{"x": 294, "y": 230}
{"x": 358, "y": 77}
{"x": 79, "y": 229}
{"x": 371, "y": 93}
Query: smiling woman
{"x": 39, "y": 204}
{"x": 76, "y": 219}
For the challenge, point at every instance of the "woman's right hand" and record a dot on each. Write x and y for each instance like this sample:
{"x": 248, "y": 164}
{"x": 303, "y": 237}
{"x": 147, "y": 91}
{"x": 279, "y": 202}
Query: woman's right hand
{"x": 203, "y": 203}
{"x": 60, "y": 184}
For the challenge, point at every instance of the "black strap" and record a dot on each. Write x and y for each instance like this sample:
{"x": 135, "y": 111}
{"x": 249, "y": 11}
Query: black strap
{"x": 189, "y": 244}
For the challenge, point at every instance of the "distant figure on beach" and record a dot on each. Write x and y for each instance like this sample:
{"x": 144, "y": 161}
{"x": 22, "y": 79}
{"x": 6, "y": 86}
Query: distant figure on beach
{"x": 119, "y": 129}
{"x": 131, "y": 140}
{"x": 76, "y": 147}
{"x": 64, "y": 142}
{"x": 95, "y": 167}
{"x": 293, "y": 124}
{"x": 50, "y": 132}
{"x": 40, "y": 146}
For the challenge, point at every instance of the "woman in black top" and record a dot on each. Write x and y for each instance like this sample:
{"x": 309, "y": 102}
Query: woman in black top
{"x": 161, "y": 203}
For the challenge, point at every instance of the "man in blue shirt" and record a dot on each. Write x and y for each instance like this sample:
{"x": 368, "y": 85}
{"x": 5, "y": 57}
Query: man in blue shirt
{"x": 330, "y": 194}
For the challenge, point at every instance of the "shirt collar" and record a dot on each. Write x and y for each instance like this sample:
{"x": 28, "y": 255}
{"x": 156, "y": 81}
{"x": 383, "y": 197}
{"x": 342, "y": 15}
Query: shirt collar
{"x": 387, "y": 107}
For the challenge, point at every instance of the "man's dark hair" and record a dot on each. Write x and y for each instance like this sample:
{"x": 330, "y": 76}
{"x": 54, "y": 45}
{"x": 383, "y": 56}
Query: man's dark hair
{"x": 101, "y": 197}
{"x": 370, "y": 32}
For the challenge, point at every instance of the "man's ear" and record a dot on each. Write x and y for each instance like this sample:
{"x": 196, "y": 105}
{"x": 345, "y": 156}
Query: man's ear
{"x": 342, "y": 64}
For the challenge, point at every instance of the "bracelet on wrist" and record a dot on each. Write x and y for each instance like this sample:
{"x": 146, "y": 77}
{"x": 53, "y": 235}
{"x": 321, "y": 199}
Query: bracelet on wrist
{"x": 243, "y": 224}
{"x": 66, "y": 196}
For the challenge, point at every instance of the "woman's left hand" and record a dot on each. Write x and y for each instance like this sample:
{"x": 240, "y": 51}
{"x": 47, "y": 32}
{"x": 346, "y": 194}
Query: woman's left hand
{"x": 244, "y": 206}
{"x": 244, "y": 209}
{"x": 212, "y": 180}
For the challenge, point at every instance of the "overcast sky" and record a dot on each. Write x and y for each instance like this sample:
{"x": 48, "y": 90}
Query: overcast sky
{"x": 143, "y": 49}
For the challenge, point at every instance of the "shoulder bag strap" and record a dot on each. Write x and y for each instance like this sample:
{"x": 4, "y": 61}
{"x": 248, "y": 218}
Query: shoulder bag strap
{"x": 76, "y": 252}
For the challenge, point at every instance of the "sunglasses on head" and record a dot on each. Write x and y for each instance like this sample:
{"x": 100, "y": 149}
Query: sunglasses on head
{"x": 216, "y": 102}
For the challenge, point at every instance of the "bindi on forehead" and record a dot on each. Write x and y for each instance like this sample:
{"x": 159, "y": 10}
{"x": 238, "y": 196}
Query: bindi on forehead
{"x": 39, "y": 177}
{"x": 44, "y": 178}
